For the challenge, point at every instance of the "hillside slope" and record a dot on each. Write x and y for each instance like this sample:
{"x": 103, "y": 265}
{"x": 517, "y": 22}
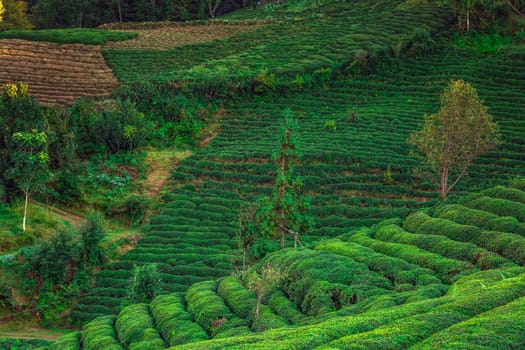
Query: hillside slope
{"x": 334, "y": 34}
{"x": 56, "y": 74}
{"x": 344, "y": 170}
{"x": 455, "y": 278}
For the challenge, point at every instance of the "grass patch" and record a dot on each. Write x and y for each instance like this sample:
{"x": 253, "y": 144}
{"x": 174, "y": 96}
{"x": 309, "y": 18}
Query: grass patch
{"x": 69, "y": 36}
{"x": 41, "y": 222}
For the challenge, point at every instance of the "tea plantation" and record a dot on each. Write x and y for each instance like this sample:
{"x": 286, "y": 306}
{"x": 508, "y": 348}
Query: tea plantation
{"x": 437, "y": 276}
{"x": 387, "y": 264}
{"x": 450, "y": 276}
{"x": 326, "y": 36}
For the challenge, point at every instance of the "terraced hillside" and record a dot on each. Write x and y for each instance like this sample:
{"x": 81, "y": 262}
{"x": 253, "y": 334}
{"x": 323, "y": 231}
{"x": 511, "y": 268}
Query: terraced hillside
{"x": 56, "y": 74}
{"x": 344, "y": 170}
{"x": 330, "y": 35}
{"x": 451, "y": 277}
{"x": 166, "y": 36}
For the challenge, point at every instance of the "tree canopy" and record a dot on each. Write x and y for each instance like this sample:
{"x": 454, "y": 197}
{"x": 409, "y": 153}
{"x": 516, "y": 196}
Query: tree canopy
{"x": 450, "y": 139}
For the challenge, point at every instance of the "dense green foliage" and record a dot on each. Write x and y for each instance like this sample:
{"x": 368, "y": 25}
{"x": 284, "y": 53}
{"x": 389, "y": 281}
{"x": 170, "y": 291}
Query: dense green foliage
{"x": 22, "y": 344}
{"x": 304, "y": 50}
{"x": 13, "y": 15}
{"x": 357, "y": 78}
{"x": 450, "y": 139}
{"x": 68, "y": 36}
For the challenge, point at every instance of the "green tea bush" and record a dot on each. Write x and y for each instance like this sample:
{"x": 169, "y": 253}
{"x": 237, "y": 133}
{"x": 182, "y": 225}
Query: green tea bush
{"x": 208, "y": 309}
{"x": 443, "y": 246}
{"x": 285, "y": 308}
{"x": 395, "y": 269}
{"x": 239, "y": 299}
{"x": 99, "y": 334}
{"x": 447, "y": 269}
{"x": 319, "y": 281}
{"x": 485, "y": 220}
{"x": 509, "y": 245}
{"x": 499, "y": 328}
{"x": 509, "y": 193}
{"x": 267, "y": 320}
{"x": 24, "y": 344}
{"x": 136, "y": 329}
{"x": 174, "y": 322}
{"x": 71, "y": 341}
{"x": 498, "y": 206}
{"x": 518, "y": 183}
{"x": 69, "y": 36}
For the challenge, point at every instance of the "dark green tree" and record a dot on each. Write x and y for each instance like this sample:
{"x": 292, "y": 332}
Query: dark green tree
{"x": 145, "y": 284}
{"x": 285, "y": 211}
{"x": 92, "y": 233}
{"x": 56, "y": 259}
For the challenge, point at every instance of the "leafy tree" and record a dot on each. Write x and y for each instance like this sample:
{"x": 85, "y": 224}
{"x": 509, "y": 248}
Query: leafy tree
{"x": 450, "y": 139}
{"x": 262, "y": 283}
{"x": 55, "y": 259}
{"x": 30, "y": 164}
{"x": 111, "y": 128}
{"x": 18, "y": 112}
{"x": 248, "y": 233}
{"x": 284, "y": 212}
{"x": 13, "y": 15}
{"x": 145, "y": 284}
{"x": 92, "y": 232}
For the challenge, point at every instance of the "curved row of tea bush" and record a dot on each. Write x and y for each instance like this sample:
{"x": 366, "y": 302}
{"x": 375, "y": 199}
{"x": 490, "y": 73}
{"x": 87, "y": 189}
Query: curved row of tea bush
{"x": 338, "y": 36}
{"x": 189, "y": 241}
{"x": 369, "y": 288}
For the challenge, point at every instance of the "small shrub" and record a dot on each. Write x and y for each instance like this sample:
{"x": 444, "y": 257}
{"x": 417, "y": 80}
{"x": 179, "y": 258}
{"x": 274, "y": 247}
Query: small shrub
{"x": 330, "y": 125}
{"x": 387, "y": 176}
{"x": 264, "y": 82}
{"x": 322, "y": 76}
{"x": 145, "y": 284}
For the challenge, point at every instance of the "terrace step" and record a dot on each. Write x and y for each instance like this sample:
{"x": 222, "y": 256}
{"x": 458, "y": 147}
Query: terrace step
{"x": 57, "y": 74}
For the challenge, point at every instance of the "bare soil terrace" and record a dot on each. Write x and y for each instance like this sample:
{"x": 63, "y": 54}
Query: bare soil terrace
{"x": 56, "y": 74}
{"x": 169, "y": 37}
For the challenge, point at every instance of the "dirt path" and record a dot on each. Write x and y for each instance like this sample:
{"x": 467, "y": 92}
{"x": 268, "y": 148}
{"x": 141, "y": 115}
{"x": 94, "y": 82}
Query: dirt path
{"x": 161, "y": 164}
{"x": 170, "y": 37}
{"x": 74, "y": 219}
{"x": 33, "y": 333}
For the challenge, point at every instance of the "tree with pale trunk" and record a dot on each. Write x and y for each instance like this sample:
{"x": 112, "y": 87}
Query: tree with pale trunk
{"x": 212, "y": 6}
{"x": 29, "y": 168}
{"x": 262, "y": 283}
{"x": 486, "y": 10}
{"x": 450, "y": 139}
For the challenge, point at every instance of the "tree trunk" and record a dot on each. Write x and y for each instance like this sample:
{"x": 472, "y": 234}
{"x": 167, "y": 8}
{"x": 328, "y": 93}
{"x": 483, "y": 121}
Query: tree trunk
{"x": 258, "y": 307}
{"x": 444, "y": 183}
{"x": 468, "y": 20}
{"x": 119, "y": 11}
{"x": 281, "y": 225}
{"x": 295, "y": 239}
{"x": 244, "y": 260}
{"x": 25, "y": 211}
